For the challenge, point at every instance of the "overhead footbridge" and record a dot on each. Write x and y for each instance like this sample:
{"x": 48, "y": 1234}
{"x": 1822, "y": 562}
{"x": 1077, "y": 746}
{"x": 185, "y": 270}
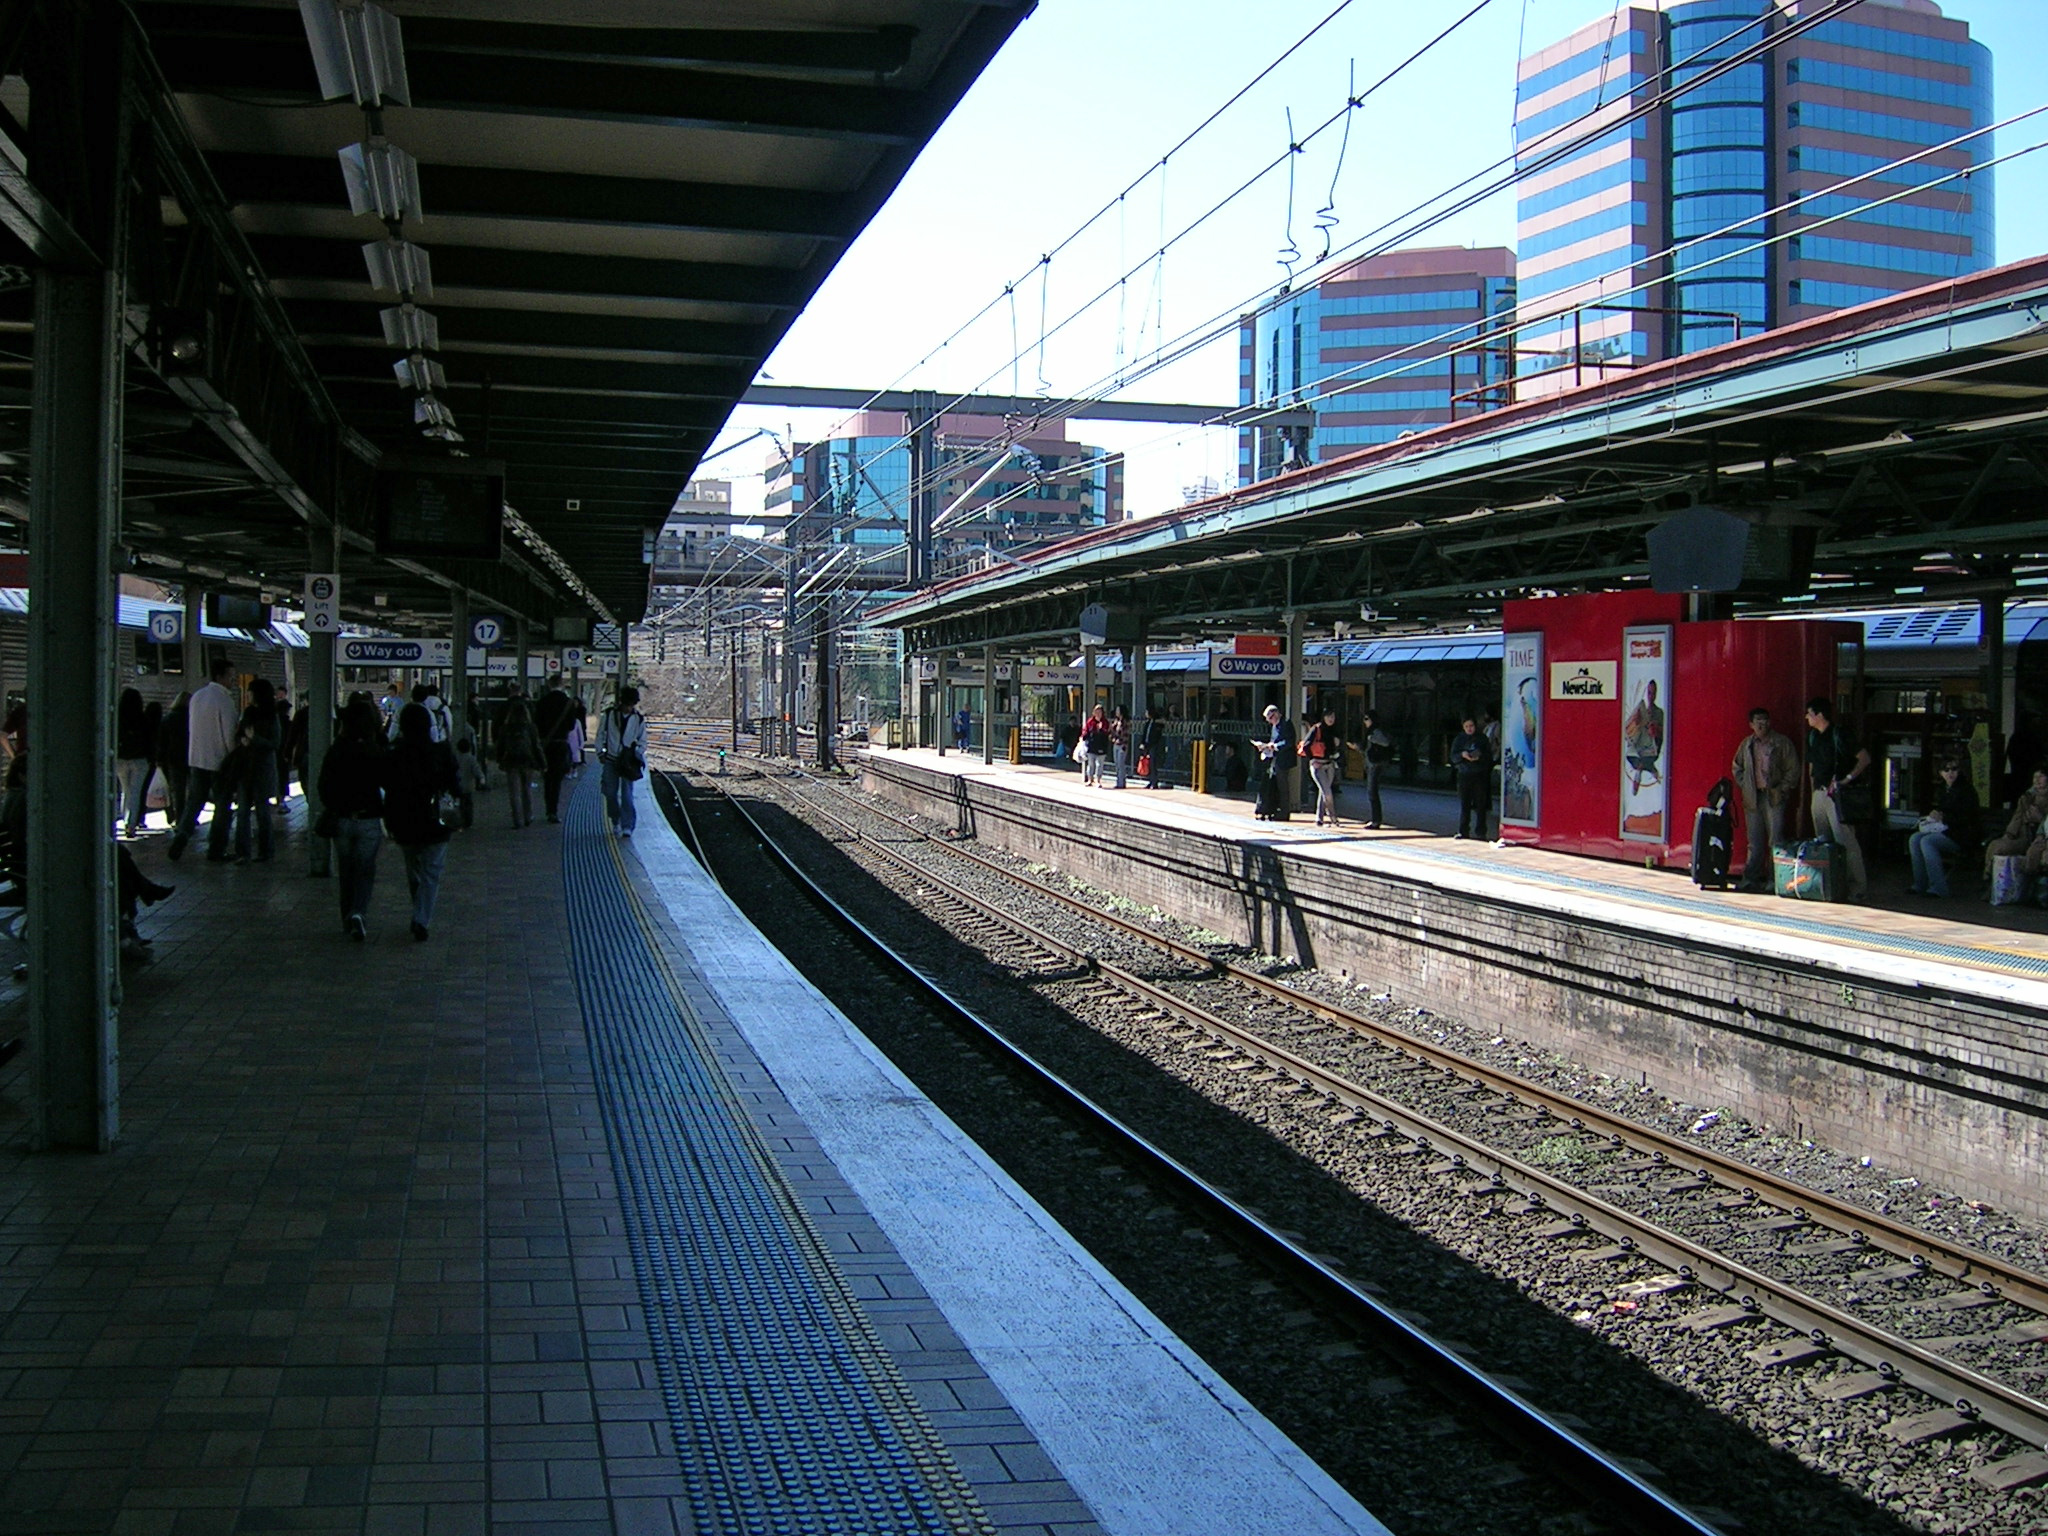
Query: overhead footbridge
{"x": 447, "y": 301}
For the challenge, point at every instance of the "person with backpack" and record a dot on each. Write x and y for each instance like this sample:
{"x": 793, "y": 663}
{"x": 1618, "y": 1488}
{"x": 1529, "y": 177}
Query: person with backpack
{"x": 1323, "y": 746}
{"x": 553, "y": 716}
{"x": 256, "y": 778}
{"x": 519, "y": 754}
{"x": 422, "y": 806}
{"x": 622, "y": 755}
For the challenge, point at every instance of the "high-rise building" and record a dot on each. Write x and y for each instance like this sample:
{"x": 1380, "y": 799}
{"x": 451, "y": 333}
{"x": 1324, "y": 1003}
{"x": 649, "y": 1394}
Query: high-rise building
{"x": 700, "y": 519}
{"x": 1826, "y": 111}
{"x": 1386, "y": 346}
{"x": 998, "y": 494}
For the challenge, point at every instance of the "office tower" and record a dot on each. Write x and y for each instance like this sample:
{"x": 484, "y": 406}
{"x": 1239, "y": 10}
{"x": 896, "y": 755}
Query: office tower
{"x": 998, "y": 495}
{"x": 1386, "y": 346}
{"x": 1613, "y": 175}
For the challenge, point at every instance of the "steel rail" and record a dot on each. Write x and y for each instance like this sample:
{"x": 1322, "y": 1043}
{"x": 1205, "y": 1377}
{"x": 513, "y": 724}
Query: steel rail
{"x": 1575, "y": 1461}
{"x": 2024, "y": 1287}
{"x": 1970, "y": 1391}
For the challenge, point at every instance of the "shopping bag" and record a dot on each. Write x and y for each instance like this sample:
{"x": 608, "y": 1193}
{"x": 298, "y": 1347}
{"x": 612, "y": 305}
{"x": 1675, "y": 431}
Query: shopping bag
{"x": 2008, "y": 880}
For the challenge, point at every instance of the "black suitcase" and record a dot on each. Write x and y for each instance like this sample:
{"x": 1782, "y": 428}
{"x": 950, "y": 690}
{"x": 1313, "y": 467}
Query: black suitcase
{"x": 1713, "y": 841}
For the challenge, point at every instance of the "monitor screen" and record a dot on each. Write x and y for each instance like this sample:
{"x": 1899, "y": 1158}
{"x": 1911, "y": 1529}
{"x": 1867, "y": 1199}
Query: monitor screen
{"x": 454, "y": 508}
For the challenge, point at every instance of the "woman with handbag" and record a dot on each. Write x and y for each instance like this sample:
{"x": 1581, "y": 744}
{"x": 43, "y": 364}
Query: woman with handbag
{"x": 422, "y": 806}
{"x": 352, "y": 809}
{"x": 622, "y": 754}
{"x": 519, "y": 754}
{"x": 1322, "y": 746}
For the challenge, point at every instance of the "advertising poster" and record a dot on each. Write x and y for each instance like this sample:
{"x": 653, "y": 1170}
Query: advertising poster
{"x": 1521, "y": 714}
{"x": 1646, "y": 734}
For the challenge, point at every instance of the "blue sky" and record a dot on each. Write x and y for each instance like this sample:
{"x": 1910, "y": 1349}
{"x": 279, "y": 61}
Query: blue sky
{"x": 1090, "y": 93}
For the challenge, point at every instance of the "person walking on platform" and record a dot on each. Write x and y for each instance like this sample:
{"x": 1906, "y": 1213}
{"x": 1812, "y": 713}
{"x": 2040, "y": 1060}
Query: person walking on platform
{"x": 352, "y": 809}
{"x": 1152, "y": 747}
{"x": 1282, "y": 762}
{"x": 256, "y": 742}
{"x": 421, "y": 787}
{"x": 1949, "y": 831}
{"x": 1377, "y": 748}
{"x": 389, "y": 706}
{"x": 622, "y": 755}
{"x": 519, "y": 754}
{"x": 170, "y": 759}
{"x": 553, "y": 715}
{"x": 1120, "y": 744}
{"x": 1473, "y": 764}
{"x": 1766, "y": 771}
{"x": 1323, "y": 746}
{"x": 212, "y": 717}
{"x": 133, "y": 749}
{"x": 963, "y": 728}
{"x": 1094, "y": 745}
{"x": 1835, "y": 769}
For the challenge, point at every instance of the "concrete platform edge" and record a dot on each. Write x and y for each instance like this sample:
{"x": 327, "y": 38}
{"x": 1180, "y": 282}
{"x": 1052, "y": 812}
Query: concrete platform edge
{"x": 1141, "y": 1427}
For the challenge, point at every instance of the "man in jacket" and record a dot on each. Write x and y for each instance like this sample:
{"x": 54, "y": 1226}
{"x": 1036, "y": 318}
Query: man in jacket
{"x": 553, "y": 715}
{"x": 1834, "y": 763}
{"x": 1472, "y": 762}
{"x": 1283, "y": 761}
{"x": 1766, "y": 771}
{"x": 210, "y": 721}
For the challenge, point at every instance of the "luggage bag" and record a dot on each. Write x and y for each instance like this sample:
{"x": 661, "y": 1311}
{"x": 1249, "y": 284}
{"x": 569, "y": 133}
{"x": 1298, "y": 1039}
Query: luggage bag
{"x": 2008, "y": 880}
{"x": 1713, "y": 844}
{"x": 1807, "y": 871}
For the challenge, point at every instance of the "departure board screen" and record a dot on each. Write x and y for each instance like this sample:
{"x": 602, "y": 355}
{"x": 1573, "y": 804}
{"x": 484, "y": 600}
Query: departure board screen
{"x": 451, "y": 508}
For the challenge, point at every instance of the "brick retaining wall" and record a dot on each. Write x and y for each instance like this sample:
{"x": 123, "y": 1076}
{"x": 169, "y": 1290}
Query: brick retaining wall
{"x": 1951, "y": 1088}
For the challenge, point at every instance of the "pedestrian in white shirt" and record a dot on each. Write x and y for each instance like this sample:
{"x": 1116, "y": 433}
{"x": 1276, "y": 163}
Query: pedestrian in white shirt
{"x": 212, "y": 717}
{"x": 622, "y": 753}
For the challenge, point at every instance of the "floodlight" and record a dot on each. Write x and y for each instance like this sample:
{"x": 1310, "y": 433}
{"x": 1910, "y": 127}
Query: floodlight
{"x": 358, "y": 51}
{"x": 417, "y": 372}
{"x": 400, "y": 267}
{"x": 430, "y": 412}
{"x": 382, "y": 179}
{"x": 411, "y": 327}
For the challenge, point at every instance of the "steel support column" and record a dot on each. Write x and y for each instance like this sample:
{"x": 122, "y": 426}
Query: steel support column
{"x": 458, "y": 674}
{"x": 924, "y": 485}
{"x": 1137, "y": 681}
{"x": 323, "y": 553}
{"x": 1991, "y": 626}
{"x": 522, "y": 642}
{"x": 988, "y": 703}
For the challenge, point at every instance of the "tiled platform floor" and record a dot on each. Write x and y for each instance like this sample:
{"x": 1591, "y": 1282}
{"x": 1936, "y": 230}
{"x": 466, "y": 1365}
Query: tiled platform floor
{"x": 357, "y": 1263}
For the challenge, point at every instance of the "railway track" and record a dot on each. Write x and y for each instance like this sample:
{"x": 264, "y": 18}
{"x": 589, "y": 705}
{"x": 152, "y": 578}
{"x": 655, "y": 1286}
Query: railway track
{"x": 1615, "y": 1491}
{"x": 1845, "y": 1280}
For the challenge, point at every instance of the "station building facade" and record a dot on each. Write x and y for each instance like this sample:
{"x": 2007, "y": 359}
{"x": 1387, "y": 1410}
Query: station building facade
{"x": 1821, "y": 119}
{"x": 1388, "y": 345}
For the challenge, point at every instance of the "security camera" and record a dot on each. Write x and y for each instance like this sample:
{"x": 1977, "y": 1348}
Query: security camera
{"x": 1368, "y": 614}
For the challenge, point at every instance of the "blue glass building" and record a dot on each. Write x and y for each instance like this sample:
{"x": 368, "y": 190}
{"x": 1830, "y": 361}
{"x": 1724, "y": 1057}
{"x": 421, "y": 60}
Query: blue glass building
{"x": 1817, "y": 119}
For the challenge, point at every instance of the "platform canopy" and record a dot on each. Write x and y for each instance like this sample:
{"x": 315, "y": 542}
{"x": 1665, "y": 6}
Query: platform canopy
{"x": 1899, "y": 449}
{"x": 622, "y": 206}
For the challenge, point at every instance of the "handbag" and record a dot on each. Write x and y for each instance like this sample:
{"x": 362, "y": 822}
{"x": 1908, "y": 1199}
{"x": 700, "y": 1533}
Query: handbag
{"x": 448, "y": 810}
{"x": 629, "y": 766}
{"x": 1855, "y": 800}
{"x": 1144, "y": 765}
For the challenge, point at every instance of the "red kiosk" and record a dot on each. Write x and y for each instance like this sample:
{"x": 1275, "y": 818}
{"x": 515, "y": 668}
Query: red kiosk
{"x": 1618, "y": 715}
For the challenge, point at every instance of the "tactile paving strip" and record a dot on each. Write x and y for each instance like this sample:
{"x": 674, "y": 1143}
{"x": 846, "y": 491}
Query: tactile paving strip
{"x": 790, "y": 1419}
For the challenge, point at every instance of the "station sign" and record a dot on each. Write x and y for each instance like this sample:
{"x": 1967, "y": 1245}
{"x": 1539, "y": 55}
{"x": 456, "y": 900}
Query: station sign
{"x": 166, "y": 626}
{"x": 611, "y": 666}
{"x": 323, "y": 603}
{"x": 1583, "y": 680}
{"x": 486, "y": 630}
{"x": 360, "y": 651}
{"x": 572, "y": 658}
{"x": 1224, "y": 668}
{"x": 1052, "y": 677}
{"x": 1255, "y": 645}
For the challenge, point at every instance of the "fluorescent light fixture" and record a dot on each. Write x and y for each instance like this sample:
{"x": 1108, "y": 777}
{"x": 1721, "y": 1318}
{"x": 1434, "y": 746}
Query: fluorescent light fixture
{"x": 399, "y": 267}
{"x": 410, "y": 327}
{"x": 417, "y": 372}
{"x": 358, "y": 51}
{"x": 382, "y": 179}
{"x": 443, "y": 434}
{"x": 429, "y": 412}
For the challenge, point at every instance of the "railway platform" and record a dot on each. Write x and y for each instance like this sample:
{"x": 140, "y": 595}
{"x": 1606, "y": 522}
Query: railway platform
{"x": 1916, "y": 1036}
{"x": 587, "y": 1215}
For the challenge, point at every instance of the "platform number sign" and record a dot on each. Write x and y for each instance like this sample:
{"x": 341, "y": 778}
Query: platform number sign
{"x": 486, "y": 632}
{"x": 166, "y": 626}
{"x": 323, "y": 604}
